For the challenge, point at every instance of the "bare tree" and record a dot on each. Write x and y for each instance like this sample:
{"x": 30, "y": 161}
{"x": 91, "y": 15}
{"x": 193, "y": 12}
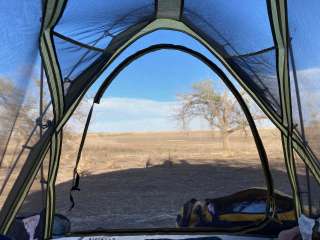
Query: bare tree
{"x": 20, "y": 112}
{"x": 219, "y": 109}
{"x": 15, "y": 121}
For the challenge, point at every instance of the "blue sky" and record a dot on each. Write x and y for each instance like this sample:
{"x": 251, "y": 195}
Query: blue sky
{"x": 154, "y": 80}
{"x": 143, "y": 96}
{"x": 159, "y": 75}
{"x": 162, "y": 67}
{"x": 19, "y": 33}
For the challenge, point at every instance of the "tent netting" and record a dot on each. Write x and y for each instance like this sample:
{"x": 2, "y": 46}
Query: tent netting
{"x": 78, "y": 40}
{"x": 306, "y": 61}
{"x": 18, "y": 61}
{"x": 93, "y": 32}
{"x": 220, "y": 31}
{"x": 136, "y": 196}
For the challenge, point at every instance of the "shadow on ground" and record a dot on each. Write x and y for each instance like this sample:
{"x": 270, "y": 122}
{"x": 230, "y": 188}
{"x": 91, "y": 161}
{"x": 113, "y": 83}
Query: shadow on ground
{"x": 151, "y": 197}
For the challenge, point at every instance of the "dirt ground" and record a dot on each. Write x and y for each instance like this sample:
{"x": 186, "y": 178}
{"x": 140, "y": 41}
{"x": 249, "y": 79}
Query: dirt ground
{"x": 139, "y": 180}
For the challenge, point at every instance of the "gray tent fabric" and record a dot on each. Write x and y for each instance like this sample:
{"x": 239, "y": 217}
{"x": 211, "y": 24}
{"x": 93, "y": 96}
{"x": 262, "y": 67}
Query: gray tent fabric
{"x": 273, "y": 55}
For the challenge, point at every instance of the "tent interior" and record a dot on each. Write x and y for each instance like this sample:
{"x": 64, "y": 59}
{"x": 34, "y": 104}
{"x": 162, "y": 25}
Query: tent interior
{"x": 145, "y": 117}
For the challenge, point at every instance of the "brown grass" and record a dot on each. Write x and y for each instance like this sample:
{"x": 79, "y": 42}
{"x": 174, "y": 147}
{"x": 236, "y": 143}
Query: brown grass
{"x": 108, "y": 152}
{"x": 142, "y": 179}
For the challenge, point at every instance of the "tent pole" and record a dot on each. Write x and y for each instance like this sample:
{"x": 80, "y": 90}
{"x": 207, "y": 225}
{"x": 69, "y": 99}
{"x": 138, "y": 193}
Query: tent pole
{"x": 42, "y": 180}
{"x": 40, "y": 120}
{"x": 297, "y": 90}
{"x": 259, "y": 144}
{"x": 278, "y": 17}
{"x": 53, "y": 11}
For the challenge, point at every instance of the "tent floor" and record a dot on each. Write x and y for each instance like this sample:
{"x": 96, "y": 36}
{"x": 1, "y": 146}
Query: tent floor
{"x": 168, "y": 237}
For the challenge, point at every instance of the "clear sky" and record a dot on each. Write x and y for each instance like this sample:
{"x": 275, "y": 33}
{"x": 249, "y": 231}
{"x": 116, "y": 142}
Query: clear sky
{"x": 153, "y": 81}
{"x": 143, "y": 96}
{"x": 160, "y": 74}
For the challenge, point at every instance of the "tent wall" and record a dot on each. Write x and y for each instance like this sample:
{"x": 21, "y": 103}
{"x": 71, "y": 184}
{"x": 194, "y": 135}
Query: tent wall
{"x": 95, "y": 24}
{"x": 248, "y": 49}
{"x": 278, "y": 21}
{"x": 228, "y": 83}
{"x": 174, "y": 25}
{"x": 19, "y": 32}
{"x": 122, "y": 31}
{"x": 305, "y": 63}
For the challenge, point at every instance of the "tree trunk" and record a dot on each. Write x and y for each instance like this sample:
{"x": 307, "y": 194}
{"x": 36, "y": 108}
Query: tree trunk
{"x": 225, "y": 142}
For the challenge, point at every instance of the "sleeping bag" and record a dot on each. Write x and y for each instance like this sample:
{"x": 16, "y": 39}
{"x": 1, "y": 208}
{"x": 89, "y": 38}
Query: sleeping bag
{"x": 238, "y": 210}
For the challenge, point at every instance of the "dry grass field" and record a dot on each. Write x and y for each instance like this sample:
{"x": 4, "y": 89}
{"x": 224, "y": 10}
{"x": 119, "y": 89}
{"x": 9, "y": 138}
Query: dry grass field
{"x": 138, "y": 180}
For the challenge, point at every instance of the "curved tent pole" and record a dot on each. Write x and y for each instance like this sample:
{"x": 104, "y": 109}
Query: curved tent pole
{"x": 86, "y": 79}
{"x": 223, "y": 77}
{"x": 270, "y": 208}
{"x": 82, "y": 83}
{"x": 277, "y": 11}
{"x": 24, "y": 180}
{"x": 301, "y": 120}
{"x": 51, "y": 138}
{"x": 118, "y": 44}
{"x": 53, "y": 11}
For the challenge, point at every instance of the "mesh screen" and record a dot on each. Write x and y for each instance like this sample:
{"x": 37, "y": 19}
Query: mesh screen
{"x": 95, "y": 23}
{"x": 25, "y": 133}
{"x": 218, "y": 22}
{"x": 35, "y": 200}
{"x": 73, "y": 59}
{"x": 306, "y": 188}
{"x": 140, "y": 164}
{"x": 271, "y": 138}
{"x": 259, "y": 71}
{"x": 305, "y": 42}
{"x": 19, "y": 33}
{"x": 22, "y": 139}
{"x": 297, "y": 116}
{"x": 29, "y": 220}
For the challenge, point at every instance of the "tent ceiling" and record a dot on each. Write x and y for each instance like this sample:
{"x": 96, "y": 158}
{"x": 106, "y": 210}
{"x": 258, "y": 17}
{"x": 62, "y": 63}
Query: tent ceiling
{"x": 102, "y": 21}
{"x": 80, "y": 39}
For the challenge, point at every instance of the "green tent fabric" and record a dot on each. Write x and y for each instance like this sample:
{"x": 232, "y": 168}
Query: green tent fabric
{"x": 76, "y": 41}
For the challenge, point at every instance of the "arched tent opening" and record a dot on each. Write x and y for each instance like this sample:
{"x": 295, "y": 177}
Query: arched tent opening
{"x": 265, "y": 69}
{"x": 170, "y": 192}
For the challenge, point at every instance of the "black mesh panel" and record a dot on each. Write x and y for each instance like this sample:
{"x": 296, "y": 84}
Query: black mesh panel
{"x": 305, "y": 185}
{"x": 73, "y": 59}
{"x": 219, "y": 23}
{"x": 305, "y": 41}
{"x": 95, "y": 24}
{"x": 259, "y": 71}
